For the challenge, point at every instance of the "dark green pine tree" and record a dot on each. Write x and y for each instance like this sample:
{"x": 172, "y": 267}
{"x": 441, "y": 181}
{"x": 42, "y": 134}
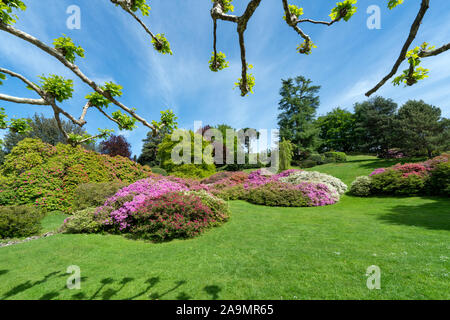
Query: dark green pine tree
{"x": 149, "y": 154}
{"x": 374, "y": 125}
{"x": 298, "y": 106}
{"x": 421, "y": 129}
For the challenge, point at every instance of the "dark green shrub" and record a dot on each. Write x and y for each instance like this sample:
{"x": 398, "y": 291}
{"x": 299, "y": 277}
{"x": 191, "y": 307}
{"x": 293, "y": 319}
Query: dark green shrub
{"x": 160, "y": 171}
{"x": 308, "y": 163}
{"x": 82, "y": 221}
{"x": 439, "y": 182}
{"x": 236, "y": 192}
{"x": 19, "y": 221}
{"x": 94, "y": 194}
{"x": 395, "y": 182}
{"x": 336, "y": 156}
{"x": 318, "y": 158}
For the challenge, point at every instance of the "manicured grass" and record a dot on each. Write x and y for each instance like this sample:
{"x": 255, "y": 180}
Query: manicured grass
{"x": 262, "y": 253}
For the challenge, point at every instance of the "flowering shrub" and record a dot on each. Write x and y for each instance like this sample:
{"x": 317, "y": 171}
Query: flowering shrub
{"x": 173, "y": 215}
{"x": 408, "y": 169}
{"x": 46, "y": 176}
{"x": 128, "y": 200}
{"x": 217, "y": 177}
{"x": 430, "y": 177}
{"x": 377, "y": 171}
{"x": 287, "y": 195}
{"x": 316, "y": 177}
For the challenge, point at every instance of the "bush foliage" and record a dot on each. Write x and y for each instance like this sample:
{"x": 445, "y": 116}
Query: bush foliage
{"x": 19, "y": 221}
{"x": 47, "y": 176}
{"x": 431, "y": 177}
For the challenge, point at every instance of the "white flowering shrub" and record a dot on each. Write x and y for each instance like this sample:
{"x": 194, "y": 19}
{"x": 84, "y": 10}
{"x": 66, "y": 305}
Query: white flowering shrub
{"x": 316, "y": 177}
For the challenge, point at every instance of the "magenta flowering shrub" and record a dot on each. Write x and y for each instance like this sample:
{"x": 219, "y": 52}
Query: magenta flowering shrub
{"x": 377, "y": 171}
{"x": 173, "y": 215}
{"x": 128, "y": 200}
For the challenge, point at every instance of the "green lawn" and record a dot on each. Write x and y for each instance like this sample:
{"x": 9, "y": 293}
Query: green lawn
{"x": 262, "y": 253}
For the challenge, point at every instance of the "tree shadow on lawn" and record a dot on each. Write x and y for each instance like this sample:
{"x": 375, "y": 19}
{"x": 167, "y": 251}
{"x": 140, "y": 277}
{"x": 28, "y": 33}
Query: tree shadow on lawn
{"x": 108, "y": 289}
{"x": 434, "y": 216}
{"x": 384, "y": 163}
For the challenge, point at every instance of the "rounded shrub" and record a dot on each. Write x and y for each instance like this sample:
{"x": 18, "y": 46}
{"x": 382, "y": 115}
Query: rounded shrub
{"x": 19, "y": 221}
{"x": 173, "y": 215}
{"x": 94, "y": 194}
{"x": 317, "y": 158}
{"x": 361, "y": 186}
{"x": 279, "y": 194}
{"x": 308, "y": 163}
{"x": 439, "y": 182}
{"x": 83, "y": 221}
{"x": 392, "y": 182}
{"x": 316, "y": 177}
{"x": 159, "y": 171}
{"x": 336, "y": 156}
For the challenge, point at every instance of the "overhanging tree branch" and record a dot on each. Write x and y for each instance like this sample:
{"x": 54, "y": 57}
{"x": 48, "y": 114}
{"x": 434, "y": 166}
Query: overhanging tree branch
{"x": 424, "y": 6}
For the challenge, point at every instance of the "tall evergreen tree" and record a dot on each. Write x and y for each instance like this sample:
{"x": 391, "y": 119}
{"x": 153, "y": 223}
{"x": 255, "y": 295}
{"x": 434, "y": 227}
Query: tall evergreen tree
{"x": 374, "y": 124}
{"x": 421, "y": 129}
{"x": 298, "y": 105}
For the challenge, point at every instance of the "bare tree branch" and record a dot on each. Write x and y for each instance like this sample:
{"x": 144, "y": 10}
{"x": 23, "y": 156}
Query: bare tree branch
{"x": 37, "y": 102}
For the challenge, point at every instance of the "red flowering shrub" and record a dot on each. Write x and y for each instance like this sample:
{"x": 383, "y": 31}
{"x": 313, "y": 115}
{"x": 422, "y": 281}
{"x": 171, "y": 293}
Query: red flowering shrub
{"x": 408, "y": 169}
{"x": 173, "y": 215}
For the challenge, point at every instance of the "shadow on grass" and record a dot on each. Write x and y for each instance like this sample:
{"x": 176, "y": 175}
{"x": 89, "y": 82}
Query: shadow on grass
{"x": 385, "y": 163}
{"x": 108, "y": 289}
{"x": 30, "y": 284}
{"x": 434, "y": 215}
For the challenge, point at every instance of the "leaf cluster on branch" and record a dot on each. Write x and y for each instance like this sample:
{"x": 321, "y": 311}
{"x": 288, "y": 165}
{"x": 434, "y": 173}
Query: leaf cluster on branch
{"x": 54, "y": 89}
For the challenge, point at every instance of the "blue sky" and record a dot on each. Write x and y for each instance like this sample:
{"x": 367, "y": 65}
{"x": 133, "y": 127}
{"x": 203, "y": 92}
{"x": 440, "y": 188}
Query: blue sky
{"x": 349, "y": 59}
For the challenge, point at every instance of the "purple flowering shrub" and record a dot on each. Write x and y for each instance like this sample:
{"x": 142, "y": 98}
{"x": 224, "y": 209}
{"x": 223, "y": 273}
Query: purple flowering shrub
{"x": 172, "y": 215}
{"x": 162, "y": 208}
{"x": 128, "y": 200}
